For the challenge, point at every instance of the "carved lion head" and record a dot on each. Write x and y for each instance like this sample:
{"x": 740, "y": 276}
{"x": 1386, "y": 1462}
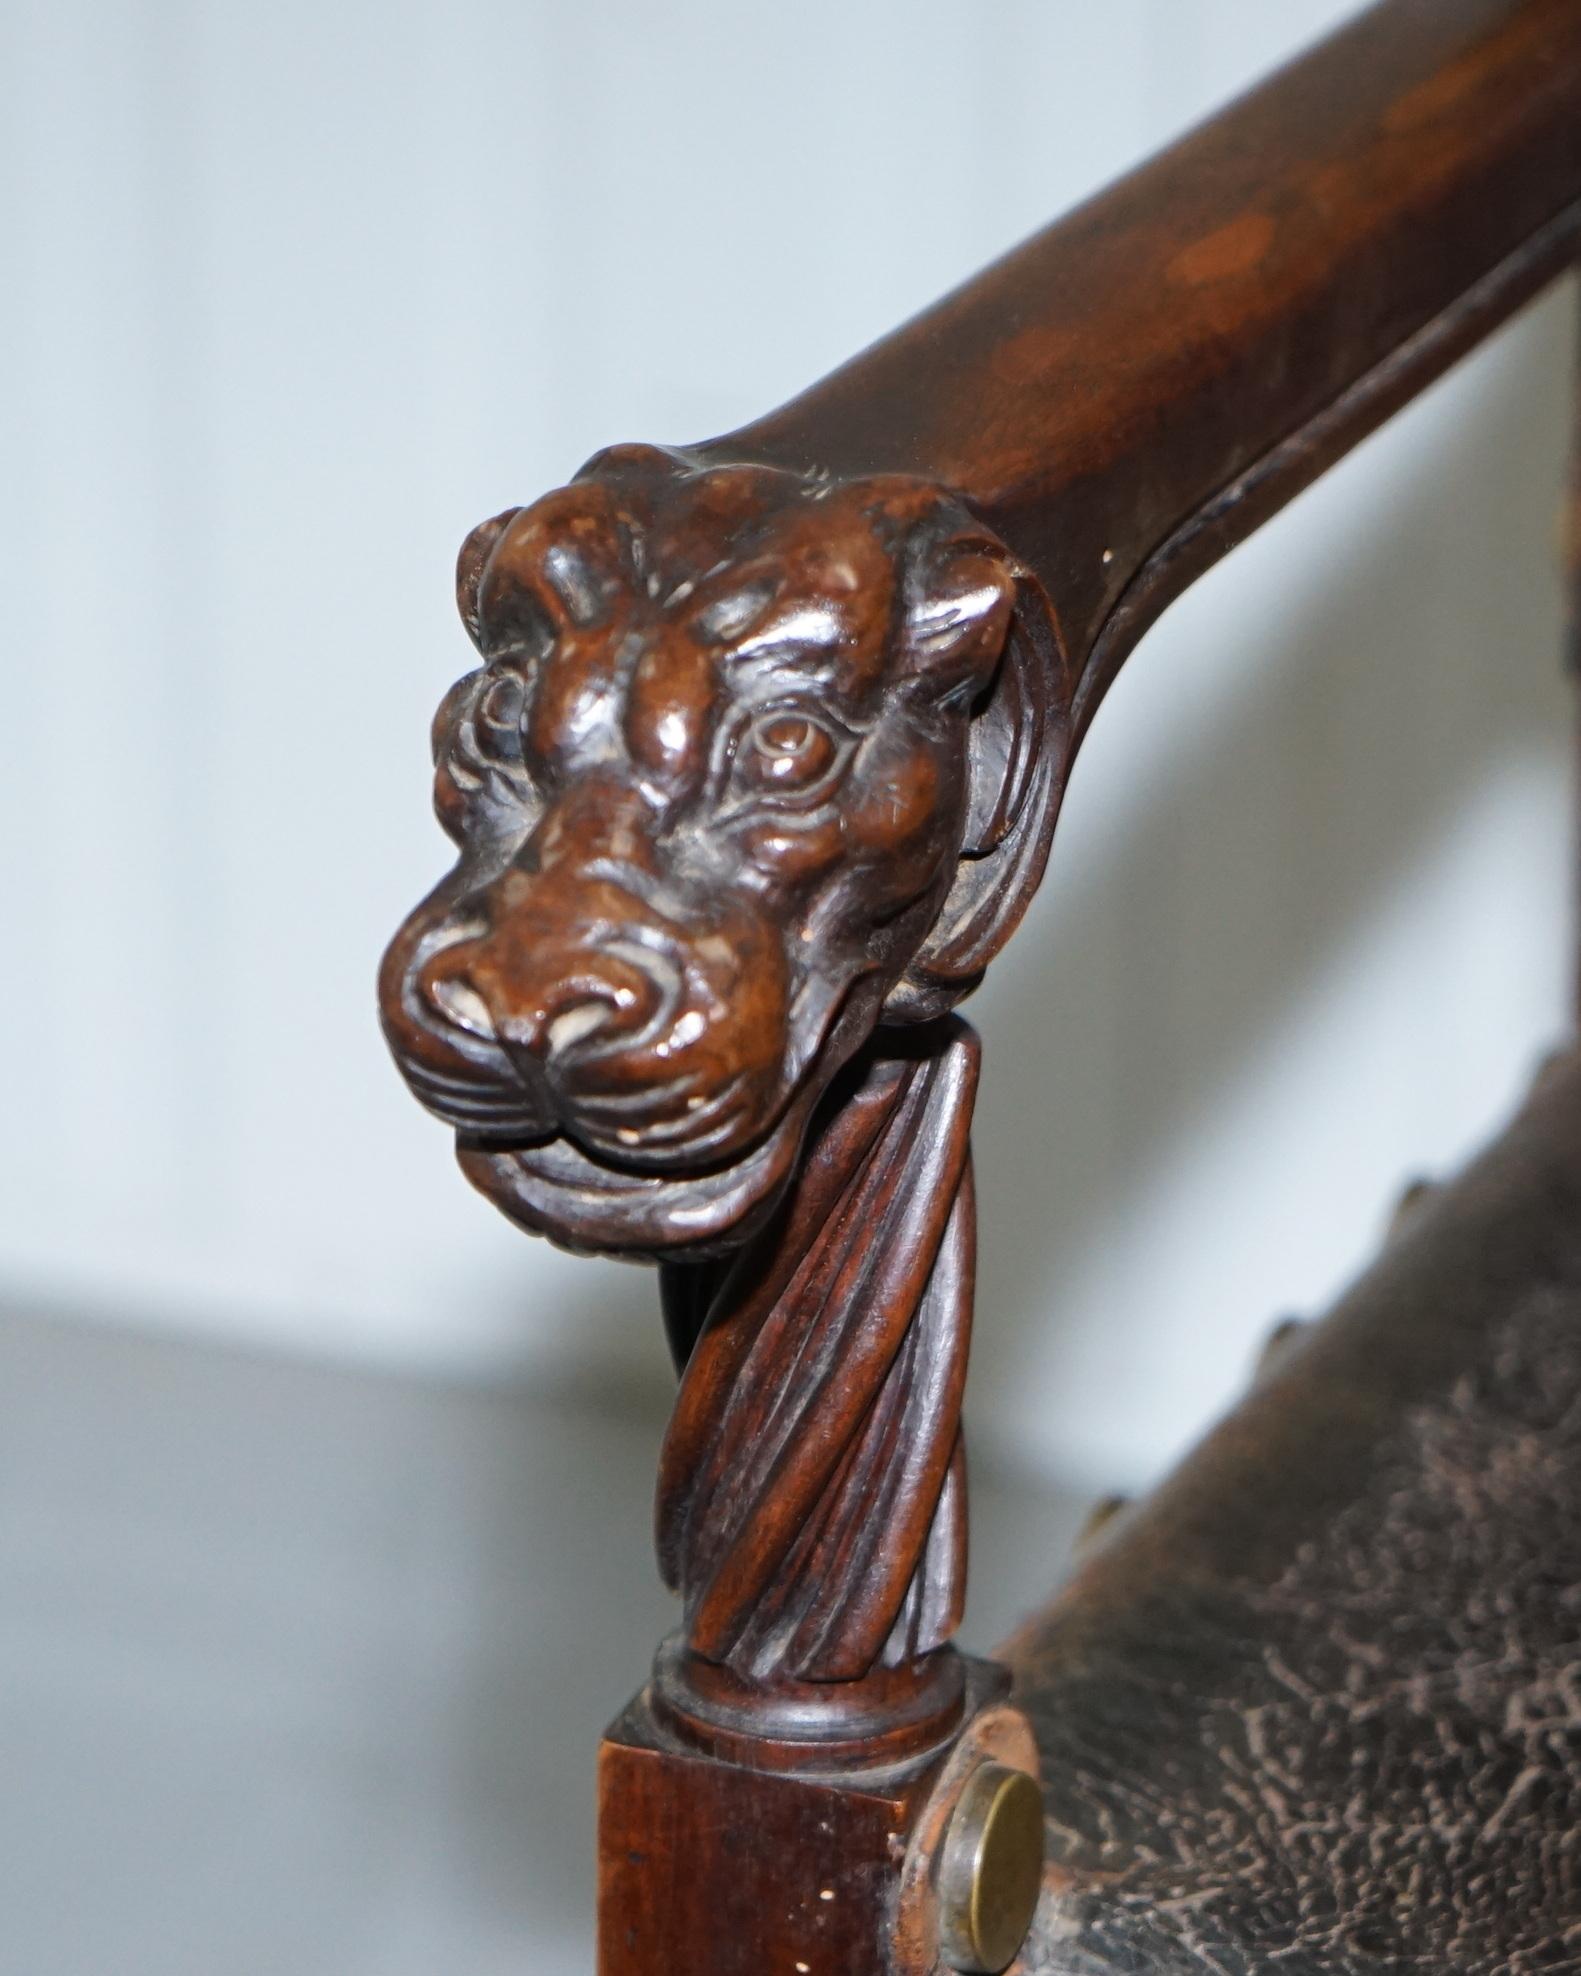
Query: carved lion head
{"x": 753, "y": 762}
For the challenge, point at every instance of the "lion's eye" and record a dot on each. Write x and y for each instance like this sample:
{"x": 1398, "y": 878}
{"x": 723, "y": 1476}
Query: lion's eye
{"x": 788, "y": 751}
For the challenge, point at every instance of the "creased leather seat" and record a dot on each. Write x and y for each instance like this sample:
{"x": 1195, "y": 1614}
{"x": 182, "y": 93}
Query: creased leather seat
{"x": 1315, "y": 1706}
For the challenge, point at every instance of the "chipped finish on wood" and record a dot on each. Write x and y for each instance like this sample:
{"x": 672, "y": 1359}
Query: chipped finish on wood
{"x": 832, "y": 1873}
{"x": 1319, "y": 1693}
{"x": 804, "y": 1870}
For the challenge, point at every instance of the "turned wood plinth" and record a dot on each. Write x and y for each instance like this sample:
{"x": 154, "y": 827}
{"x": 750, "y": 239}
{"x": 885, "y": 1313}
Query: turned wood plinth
{"x": 892, "y": 1715}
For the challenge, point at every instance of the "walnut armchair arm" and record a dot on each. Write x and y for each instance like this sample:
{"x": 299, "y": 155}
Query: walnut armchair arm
{"x": 756, "y": 773}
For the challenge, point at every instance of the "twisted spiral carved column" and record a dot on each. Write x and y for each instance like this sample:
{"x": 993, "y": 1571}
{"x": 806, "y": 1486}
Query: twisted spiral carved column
{"x": 812, "y": 1492}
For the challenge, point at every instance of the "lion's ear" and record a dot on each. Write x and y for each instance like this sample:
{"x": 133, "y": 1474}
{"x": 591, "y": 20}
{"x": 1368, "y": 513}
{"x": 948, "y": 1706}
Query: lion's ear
{"x": 470, "y": 565}
{"x": 957, "y": 598}
{"x": 1017, "y": 758}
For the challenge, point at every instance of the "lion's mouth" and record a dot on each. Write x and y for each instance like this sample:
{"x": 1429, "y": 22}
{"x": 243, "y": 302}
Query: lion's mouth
{"x": 701, "y": 1195}
{"x": 673, "y": 1135}
{"x": 515, "y": 1102}
{"x": 658, "y": 1169}
{"x": 659, "y": 1128}
{"x": 627, "y": 1049}
{"x": 593, "y": 1205}
{"x": 492, "y": 1106}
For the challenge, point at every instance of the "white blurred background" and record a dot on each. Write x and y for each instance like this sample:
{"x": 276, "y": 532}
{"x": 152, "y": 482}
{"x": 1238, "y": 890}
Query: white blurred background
{"x": 296, "y": 294}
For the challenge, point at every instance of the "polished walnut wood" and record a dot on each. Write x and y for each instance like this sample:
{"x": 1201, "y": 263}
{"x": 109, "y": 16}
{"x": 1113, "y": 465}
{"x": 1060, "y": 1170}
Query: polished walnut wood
{"x": 757, "y": 775}
{"x": 1139, "y": 386}
{"x": 755, "y": 761}
{"x": 836, "y": 1870}
{"x": 812, "y": 1493}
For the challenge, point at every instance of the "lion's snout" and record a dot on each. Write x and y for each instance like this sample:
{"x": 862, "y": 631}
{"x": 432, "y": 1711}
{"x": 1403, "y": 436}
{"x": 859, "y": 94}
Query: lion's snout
{"x": 654, "y": 1032}
{"x": 564, "y": 1004}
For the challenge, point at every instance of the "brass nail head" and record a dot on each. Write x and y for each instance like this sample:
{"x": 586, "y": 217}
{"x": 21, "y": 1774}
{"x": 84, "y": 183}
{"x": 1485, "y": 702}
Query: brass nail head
{"x": 1277, "y": 1345}
{"x": 990, "y": 1870}
{"x": 1413, "y": 1198}
{"x": 1098, "y": 1519}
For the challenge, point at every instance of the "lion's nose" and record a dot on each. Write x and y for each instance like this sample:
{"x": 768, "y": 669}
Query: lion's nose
{"x": 575, "y": 1005}
{"x": 581, "y": 1014}
{"x": 577, "y": 1023}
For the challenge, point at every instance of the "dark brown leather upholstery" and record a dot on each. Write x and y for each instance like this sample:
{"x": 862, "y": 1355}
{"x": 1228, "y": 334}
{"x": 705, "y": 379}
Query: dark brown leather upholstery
{"x": 1315, "y": 1707}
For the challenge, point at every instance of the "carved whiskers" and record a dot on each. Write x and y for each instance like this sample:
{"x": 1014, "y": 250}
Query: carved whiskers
{"x": 757, "y": 774}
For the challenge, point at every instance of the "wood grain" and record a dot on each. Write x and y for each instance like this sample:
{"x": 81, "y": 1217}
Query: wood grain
{"x": 812, "y": 1492}
{"x": 757, "y": 775}
{"x": 1136, "y": 388}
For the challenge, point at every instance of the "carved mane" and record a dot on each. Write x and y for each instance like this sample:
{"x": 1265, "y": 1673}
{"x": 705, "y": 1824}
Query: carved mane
{"x": 642, "y": 581}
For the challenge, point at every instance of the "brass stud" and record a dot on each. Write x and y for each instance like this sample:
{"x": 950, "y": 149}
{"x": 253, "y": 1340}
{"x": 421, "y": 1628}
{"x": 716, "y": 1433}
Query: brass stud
{"x": 1097, "y": 1520}
{"x": 1277, "y": 1344}
{"x": 1413, "y": 1198}
{"x": 990, "y": 1870}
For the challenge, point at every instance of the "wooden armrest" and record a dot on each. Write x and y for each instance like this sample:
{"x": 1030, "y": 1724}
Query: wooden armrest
{"x": 1317, "y": 1694}
{"x": 1130, "y": 393}
{"x": 754, "y": 778}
